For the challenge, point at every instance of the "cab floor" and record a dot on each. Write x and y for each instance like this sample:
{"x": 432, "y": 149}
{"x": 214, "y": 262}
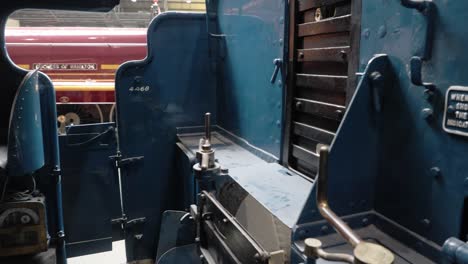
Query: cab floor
{"x": 116, "y": 256}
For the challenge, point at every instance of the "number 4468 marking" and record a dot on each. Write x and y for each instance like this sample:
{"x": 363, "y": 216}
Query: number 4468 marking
{"x": 139, "y": 89}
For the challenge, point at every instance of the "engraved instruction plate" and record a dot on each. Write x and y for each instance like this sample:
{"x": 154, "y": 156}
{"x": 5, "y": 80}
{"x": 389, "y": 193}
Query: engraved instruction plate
{"x": 456, "y": 111}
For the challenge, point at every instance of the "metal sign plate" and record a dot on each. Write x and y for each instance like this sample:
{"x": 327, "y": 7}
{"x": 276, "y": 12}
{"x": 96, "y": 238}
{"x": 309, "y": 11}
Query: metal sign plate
{"x": 65, "y": 66}
{"x": 456, "y": 111}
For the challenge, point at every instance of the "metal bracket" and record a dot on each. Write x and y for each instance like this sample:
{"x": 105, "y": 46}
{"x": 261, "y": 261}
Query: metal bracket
{"x": 126, "y": 224}
{"x": 416, "y": 73}
{"x": 120, "y": 162}
{"x": 377, "y": 83}
{"x": 427, "y": 8}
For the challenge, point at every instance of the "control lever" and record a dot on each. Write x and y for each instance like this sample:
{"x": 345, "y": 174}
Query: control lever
{"x": 205, "y": 154}
{"x": 208, "y": 127}
{"x": 207, "y": 165}
{"x": 364, "y": 252}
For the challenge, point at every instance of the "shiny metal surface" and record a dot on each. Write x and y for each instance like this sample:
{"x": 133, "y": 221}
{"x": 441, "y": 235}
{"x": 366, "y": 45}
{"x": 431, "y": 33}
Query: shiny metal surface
{"x": 322, "y": 201}
{"x": 364, "y": 252}
{"x": 250, "y": 104}
{"x": 313, "y": 249}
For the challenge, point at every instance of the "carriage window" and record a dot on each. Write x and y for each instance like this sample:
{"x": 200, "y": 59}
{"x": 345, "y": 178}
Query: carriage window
{"x": 81, "y": 51}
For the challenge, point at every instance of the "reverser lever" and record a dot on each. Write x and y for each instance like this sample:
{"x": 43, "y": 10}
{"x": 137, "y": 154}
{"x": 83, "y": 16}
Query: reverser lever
{"x": 364, "y": 252}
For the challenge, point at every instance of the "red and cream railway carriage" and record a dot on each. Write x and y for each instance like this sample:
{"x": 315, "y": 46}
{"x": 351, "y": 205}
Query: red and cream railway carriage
{"x": 81, "y": 63}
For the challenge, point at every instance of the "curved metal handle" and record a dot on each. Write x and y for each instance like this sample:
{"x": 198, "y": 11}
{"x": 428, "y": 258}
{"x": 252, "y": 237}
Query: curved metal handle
{"x": 420, "y": 5}
{"x": 427, "y": 9}
{"x": 322, "y": 201}
{"x": 364, "y": 252}
{"x": 313, "y": 249}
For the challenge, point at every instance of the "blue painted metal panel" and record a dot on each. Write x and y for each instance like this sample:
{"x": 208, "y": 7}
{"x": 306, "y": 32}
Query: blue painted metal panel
{"x": 277, "y": 189}
{"x": 178, "y": 230}
{"x": 352, "y": 178}
{"x": 25, "y": 140}
{"x": 181, "y": 88}
{"x": 358, "y": 189}
{"x": 250, "y": 104}
{"x": 426, "y": 203}
{"x": 50, "y": 179}
{"x": 90, "y": 197}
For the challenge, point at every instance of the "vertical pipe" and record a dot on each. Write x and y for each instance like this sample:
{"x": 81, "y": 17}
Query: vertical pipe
{"x": 61, "y": 247}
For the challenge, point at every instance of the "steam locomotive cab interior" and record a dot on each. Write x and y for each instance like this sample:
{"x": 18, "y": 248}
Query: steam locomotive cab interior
{"x": 301, "y": 131}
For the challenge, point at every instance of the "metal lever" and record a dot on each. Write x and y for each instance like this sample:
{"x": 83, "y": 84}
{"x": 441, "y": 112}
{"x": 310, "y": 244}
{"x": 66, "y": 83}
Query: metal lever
{"x": 313, "y": 248}
{"x": 278, "y": 63}
{"x": 208, "y": 127}
{"x": 207, "y": 154}
{"x": 322, "y": 201}
{"x": 364, "y": 252}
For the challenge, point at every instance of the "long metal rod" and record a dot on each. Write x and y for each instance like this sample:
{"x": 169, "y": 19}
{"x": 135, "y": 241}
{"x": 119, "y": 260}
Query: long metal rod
{"x": 119, "y": 176}
{"x": 61, "y": 247}
{"x": 208, "y": 127}
{"x": 322, "y": 201}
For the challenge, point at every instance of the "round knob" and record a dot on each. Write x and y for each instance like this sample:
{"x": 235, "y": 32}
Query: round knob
{"x": 311, "y": 247}
{"x": 370, "y": 253}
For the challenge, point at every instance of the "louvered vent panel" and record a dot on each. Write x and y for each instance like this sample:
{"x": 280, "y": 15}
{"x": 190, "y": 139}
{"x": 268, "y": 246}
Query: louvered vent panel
{"x": 318, "y": 77}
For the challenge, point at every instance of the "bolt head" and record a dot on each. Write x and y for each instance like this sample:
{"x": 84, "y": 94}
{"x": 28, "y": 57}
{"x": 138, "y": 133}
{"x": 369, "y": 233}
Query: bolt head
{"x": 426, "y": 223}
{"x": 324, "y": 229}
{"x": 365, "y": 221}
{"x": 343, "y": 54}
{"x": 451, "y": 109}
{"x": 301, "y": 233}
{"x": 298, "y": 105}
{"x": 376, "y": 76}
{"x": 428, "y": 95}
{"x": 427, "y": 113}
{"x": 435, "y": 172}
